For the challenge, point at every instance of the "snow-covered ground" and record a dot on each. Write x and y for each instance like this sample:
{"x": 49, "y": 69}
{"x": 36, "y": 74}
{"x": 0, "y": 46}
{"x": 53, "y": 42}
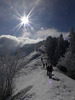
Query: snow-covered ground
{"x": 34, "y": 84}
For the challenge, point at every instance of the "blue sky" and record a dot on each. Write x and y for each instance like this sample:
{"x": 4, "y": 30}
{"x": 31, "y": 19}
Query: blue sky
{"x": 47, "y": 17}
{"x": 58, "y": 14}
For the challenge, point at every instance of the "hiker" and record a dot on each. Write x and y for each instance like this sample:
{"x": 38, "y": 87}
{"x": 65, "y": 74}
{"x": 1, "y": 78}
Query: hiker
{"x": 46, "y": 66}
{"x": 43, "y": 65}
{"x": 41, "y": 59}
{"x": 43, "y": 62}
{"x": 49, "y": 71}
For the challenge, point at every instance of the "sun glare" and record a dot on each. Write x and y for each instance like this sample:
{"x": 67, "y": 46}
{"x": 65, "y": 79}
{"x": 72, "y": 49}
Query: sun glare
{"x": 24, "y": 20}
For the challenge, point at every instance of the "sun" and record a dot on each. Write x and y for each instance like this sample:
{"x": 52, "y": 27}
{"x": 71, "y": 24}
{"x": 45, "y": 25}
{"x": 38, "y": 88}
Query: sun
{"x": 24, "y": 20}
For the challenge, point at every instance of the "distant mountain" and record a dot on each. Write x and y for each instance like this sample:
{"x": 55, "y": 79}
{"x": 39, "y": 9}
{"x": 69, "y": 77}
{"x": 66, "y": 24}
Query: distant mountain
{"x": 20, "y": 51}
{"x": 25, "y": 50}
{"x": 28, "y": 48}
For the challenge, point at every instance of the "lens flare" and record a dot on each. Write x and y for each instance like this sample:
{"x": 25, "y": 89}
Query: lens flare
{"x": 50, "y": 83}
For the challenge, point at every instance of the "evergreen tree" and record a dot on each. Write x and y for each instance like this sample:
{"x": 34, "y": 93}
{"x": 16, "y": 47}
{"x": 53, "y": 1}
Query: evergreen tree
{"x": 51, "y": 44}
{"x": 72, "y": 40}
{"x": 55, "y": 48}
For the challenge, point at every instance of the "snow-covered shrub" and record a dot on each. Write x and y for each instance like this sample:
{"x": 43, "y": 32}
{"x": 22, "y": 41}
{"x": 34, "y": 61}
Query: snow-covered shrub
{"x": 68, "y": 61}
{"x": 8, "y": 70}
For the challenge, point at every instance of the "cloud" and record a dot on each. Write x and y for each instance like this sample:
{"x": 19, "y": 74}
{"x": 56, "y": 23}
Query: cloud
{"x": 44, "y": 33}
{"x": 9, "y": 44}
{"x": 25, "y": 34}
{"x": 23, "y": 40}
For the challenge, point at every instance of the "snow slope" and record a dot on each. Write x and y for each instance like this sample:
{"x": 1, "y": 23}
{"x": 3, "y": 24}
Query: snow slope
{"x": 34, "y": 84}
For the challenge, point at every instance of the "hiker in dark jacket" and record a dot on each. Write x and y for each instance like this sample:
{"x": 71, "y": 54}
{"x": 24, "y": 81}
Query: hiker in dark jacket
{"x": 46, "y": 66}
{"x": 43, "y": 65}
{"x": 49, "y": 71}
{"x": 41, "y": 59}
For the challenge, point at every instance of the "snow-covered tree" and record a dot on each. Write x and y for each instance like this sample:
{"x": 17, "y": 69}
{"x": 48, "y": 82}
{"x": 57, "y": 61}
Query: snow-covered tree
{"x": 68, "y": 61}
{"x": 69, "y": 58}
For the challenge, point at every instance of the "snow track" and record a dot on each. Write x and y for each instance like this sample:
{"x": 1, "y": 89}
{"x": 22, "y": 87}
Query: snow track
{"x": 61, "y": 87}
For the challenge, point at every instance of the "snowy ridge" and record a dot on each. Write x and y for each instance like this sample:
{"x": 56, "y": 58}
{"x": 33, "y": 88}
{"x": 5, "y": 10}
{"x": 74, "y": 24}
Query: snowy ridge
{"x": 35, "y": 84}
